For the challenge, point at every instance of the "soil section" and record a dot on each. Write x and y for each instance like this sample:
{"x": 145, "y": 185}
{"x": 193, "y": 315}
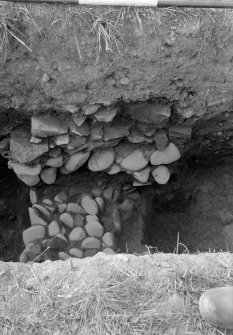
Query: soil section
{"x": 197, "y": 213}
{"x": 79, "y": 57}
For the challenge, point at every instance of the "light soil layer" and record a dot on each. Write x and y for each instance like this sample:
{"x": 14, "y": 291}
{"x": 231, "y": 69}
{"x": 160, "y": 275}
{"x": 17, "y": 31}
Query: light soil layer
{"x": 121, "y": 294}
{"x": 183, "y": 57}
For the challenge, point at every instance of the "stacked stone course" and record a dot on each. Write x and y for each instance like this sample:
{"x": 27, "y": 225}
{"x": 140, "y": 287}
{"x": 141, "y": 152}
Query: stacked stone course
{"x": 137, "y": 140}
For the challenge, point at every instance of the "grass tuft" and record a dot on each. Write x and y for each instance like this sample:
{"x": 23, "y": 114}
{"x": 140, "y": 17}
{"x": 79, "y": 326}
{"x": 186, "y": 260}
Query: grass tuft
{"x": 109, "y": 25}
{"x": 145, "y": 297}
{"x": 11, "y": 27}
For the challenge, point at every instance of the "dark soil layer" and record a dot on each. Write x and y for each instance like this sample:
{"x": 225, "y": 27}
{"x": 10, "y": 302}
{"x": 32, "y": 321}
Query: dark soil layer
{"x": 14, "y": 202}
{"x": 197, "y": 213}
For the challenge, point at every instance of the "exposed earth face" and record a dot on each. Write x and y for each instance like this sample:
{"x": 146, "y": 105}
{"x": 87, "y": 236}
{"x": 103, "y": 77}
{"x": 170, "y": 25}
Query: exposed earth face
{"x": 155, "y": 119}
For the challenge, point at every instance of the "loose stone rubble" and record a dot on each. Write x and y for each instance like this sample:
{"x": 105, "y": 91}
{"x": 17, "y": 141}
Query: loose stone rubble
{"x": 133, "y": 139}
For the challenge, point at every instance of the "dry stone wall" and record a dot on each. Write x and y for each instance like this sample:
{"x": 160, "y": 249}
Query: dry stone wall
{"x": 137, "y": 139}
{"x": 76, "y": 223}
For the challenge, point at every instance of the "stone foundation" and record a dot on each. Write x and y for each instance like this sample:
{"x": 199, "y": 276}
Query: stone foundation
{"x": 137, "y": 139}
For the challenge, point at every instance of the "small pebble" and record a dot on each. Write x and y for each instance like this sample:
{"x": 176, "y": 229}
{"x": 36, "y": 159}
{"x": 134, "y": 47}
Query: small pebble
{"x": 53, "y": 228}
{"x": 100, "y": 202}
{"x": 63, "y": 231}
{"x": 96, "y": 192}
{"x": 90, "y": 252}
{"x": 108, "y": 251}
{"x": 76, "y": 161}
{"x": 41, "y": 209}
{"x": 161, "y": 140}
{"x": 91, "y": 243}
{"x": 55, "y": 162}
{"x": 101, "y": 159}
{"x": 61, "y": 197}
{"x": 114, "y": 169}
{"x": 89, "y": 205}
{"x": 78, "y": 220}
{"x": 58, "y": 243}
{"x": 77, "y": 234}
{"x": 109, "y": 240}
{"x": 33, "y": 196}
{"x": 62, "y": 237}
{"x": 61, "y": 208}
{"x": 25, "y": 170}
{"x": 35, "y": 219}
{"x": 33, "y": 233}
{"x": 23, "y": 258}
{"x": 70, "y": 108}
{"x": 116, "y": 217}
{"x": 63, "y": 170}
{"x": 167, "y": 156}
{"x": 90, "y": 109}
{"x": 188, "y": 114}
{"x": 94, "y": 228}
{"x": 135, "y": 161}
{"x": 124, "y": 81}
{"x": 143, "y": 175}
{"x": 55, "y": 152}
{"x": 61, "y": 139}
{"x": 108, "y": 192}
{"x": 74, "y": 208}
{"x": 76, "y": 252}
{"x": 45, "y": 243}
{"x": 49, "y": 175}
{"x": 45, "y": 78}
{"x": 51, "y": 209}
{"x": 35, "y": 140}
{"x": 161, "y": 174}
{"x": 67, "y": 219}
{"x": 33, "y": 248}
{"x": 63, "y": 256}
{"x": 116, "y": 195}
{"x": 92, "y": 218}
{"x": 47, "y": 202}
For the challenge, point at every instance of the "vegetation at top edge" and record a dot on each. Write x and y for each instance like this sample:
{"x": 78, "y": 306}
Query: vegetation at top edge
{"x": 107, "y": 24}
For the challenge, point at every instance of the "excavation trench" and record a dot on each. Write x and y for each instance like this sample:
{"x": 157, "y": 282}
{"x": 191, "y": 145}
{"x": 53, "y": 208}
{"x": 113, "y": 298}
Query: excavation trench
{"x": 191, "y": 212}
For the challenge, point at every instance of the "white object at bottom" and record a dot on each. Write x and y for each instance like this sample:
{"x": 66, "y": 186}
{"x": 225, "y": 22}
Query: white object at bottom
{"x": 137, "y": 3}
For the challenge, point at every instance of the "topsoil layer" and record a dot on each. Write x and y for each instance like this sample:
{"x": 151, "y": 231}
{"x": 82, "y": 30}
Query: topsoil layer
{"x": 82, "y": 55}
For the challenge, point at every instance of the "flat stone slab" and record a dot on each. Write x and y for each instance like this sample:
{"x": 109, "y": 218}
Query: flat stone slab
{"x": 106, "y": 115}
{"x": 149, "y": 113}
{"x": 22, "y": 150}
{"x": 47, "y": 125}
